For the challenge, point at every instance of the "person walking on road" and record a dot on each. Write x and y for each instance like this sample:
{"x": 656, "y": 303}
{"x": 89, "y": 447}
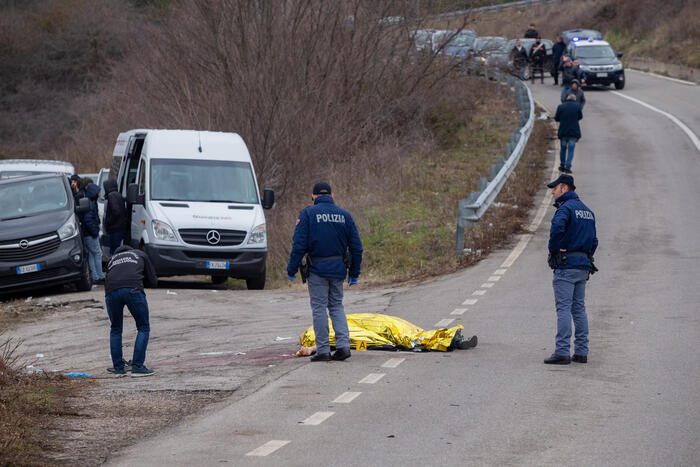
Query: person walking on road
{"x": 91, "y": 234}
{"x": 568, "y": 74}
{"x": 115, "y": 216}
{"x": 127, "y": 271}
{"x": 572, "y": 243}
{"x": 568, "y": 115}
{"x": 519, "y": 59}
{"x": 557, "y": 52}
{"x": 537, "y": 56}
{"x": 325, "y": 232}
{"x": 576, "y": 90}
{"x": 531, "y": 32}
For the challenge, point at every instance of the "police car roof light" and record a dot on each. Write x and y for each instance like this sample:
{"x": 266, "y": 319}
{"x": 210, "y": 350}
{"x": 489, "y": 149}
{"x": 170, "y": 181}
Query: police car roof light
{"x": 575, "y": 38}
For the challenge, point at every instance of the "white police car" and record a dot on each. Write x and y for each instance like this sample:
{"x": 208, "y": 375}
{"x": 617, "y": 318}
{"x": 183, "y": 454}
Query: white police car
{"x": 599, "y": 62}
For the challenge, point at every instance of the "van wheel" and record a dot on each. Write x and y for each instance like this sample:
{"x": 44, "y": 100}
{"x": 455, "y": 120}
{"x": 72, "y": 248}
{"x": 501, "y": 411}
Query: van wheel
{"x": 218, "y": 279}
{"x": 256, "y": 283}
{"x": 85, "y": 282}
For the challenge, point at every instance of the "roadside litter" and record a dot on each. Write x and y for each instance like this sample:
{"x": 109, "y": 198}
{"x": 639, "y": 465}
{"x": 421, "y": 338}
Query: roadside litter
{"x": 77, "y": 375}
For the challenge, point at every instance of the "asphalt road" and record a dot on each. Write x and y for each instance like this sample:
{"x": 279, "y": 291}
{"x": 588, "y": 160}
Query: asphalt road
{"x": 637, "y": 401}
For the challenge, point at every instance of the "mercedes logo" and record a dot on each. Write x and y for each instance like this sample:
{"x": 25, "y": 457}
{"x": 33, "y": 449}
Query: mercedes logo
{"x": 23, "y": 244}
{"x": 213, "y": 237}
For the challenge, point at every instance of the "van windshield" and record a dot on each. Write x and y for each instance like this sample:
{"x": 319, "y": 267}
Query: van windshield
{"x": 202, "y": 180}
{"x": 28, "y": 198}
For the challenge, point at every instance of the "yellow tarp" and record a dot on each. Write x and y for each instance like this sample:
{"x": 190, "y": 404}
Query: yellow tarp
{"x": 386, "y": 331}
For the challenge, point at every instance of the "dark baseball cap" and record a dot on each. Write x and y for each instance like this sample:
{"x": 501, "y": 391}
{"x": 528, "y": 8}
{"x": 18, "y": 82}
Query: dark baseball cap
{"x": 563, "y": 178}
{"x": 322, "y": 188}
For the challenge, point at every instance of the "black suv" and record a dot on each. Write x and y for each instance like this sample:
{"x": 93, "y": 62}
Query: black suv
{"x": 40, "y": 241}
{"x": 598, "y": 62}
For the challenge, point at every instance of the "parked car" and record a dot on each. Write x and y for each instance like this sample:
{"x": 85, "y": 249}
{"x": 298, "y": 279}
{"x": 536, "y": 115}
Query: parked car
{"x": 40, "y": 241}
{"x": 24, "y": 167}
{"x": 443, "y": 36}
{"x": 89, "y": 176}
{"x": 485, "y": 46}
{"x": 599, "y": 63}
{"x": 501, "y": 59}
{"x": 422, "y": 39}
{"x": 194, "y": 203}
{"x": 575, "y": 35}
{"x": 460, "y": 46}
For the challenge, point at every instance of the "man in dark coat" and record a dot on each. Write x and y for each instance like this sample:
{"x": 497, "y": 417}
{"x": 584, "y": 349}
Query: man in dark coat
{"x": 576, "y": 90}
{"x": 557, "y": 52}
{"x": 115, "y": 217}
{"x": 90, "y": 225}
{"x": 518, "y": 56}
{"x": 568, "y": 114}
{"x": 531, "y": 32}
{"x": 568, "y": 74}
{"x": 537, "y": 56}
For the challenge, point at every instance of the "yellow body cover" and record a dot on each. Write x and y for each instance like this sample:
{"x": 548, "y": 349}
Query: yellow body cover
{"x": 386, "y": 331}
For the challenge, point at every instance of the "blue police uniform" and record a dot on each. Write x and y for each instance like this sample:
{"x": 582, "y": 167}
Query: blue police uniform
{"x": 573, "y": 229}
{"x": 326, "y": 231}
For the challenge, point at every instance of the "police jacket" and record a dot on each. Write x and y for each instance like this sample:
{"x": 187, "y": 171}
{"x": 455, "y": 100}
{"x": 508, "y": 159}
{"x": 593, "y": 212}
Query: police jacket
{"x": 537, "y": 53}
{"x": 326, "y": 231}
{"x": 115, "y": 209}
{"x": 90, "y": 221}
{"x": 531, "y": 34}
{"x": 568, "y": 114}
{"x": 573, "y": 230}
{"x": 557, "y": 51}
{"x": 129, "y": 268}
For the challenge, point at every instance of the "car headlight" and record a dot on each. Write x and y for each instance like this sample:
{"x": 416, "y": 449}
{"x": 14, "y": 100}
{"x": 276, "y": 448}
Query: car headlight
{"x": 617, "y": 67}
{"x": 163, "y": 231}
{"x": 257, "y": 235}
{"x": 585, "y": 68}
{"x": 69, "y": 229}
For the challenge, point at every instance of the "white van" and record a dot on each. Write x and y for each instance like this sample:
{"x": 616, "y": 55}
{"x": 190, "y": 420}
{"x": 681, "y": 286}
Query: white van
{"x": 194, "y": 203}
{"x": 10, "y": 168}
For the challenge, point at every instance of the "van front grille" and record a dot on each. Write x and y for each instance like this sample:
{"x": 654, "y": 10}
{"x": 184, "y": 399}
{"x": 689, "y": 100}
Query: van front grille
{"x": 199, "y": 237}
{"x": 11, "y": 250}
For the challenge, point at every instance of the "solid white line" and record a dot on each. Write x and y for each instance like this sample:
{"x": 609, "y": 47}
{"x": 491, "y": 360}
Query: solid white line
{"x": 317, "y": 418}
{"x": 393, "y": 362}
{"x": 487, "y": 285}
{"x": 479, "y": 292}
{"x": 458, "y": 311}
{"x": 494, "y": 278}
{"x": 675, "y": 120}
{"x": 443, "y": 323}
{"x": 268, "y": 448}
{"x": 371, "y": 378}
{"x": 655, "y": 75}
{"x": 346, "y": 397}
{"x": 499, "y": 272}
{"x": 516, "y": 251}
{"x": 470, "y": 301}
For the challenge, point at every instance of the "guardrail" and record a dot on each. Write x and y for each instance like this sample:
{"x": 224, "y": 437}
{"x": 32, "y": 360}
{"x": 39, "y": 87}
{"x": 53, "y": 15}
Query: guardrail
{"x": 473, "y": 207}
{"x": 498, "y": 7}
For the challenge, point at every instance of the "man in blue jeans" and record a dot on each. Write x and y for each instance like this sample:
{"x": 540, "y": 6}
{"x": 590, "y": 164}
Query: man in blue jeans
{"x": 90, "y": 226}
{"x": 568, "y": 114}
{"x": 572, "y": 243}
{"x": 127, "y": 271}
{"x": 326, "y": 231}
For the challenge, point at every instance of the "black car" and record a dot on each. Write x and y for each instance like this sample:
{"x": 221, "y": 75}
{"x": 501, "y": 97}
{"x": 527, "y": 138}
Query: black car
{"x": 598, "y": 62}
{"x": 40, "y": 241}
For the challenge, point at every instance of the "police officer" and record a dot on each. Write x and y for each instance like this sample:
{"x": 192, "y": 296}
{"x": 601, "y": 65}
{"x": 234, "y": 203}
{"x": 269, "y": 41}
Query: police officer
{"x": 572, "y": 243}
{"x": 326, "y": 232}
{"x": 126, "y": 272}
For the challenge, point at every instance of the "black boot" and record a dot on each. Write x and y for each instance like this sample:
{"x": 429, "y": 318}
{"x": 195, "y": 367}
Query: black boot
{"x": 558, "y": 360}
{"x": 321, "y": 357}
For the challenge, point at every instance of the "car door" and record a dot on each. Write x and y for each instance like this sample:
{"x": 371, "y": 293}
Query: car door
{"x": 138, "y": 211}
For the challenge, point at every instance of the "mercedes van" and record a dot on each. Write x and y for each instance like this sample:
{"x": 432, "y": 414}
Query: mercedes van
{"x": 194, "y": 203}
{"x": 40, "y": 241}
{"x": 23, "y": 167}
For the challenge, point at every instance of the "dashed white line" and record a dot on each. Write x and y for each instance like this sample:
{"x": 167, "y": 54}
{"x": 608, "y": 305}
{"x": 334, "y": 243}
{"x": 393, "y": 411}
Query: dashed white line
{"x": 443, "y": 323}
{"x": 499, "y": 272}
{"x": 487, "y": 285}
{"x": 470, "y": 301}
{"x": 371, "y": 378}
{"x": 458, "y": 311}
{"x": 494, "y": 278}
{"x": 317, "y": 418}
{"x": 346, "y": 397}
{"x": 393, "y": 362}
{"x": 268, "y": 448}
{"x": 479, "y": 292}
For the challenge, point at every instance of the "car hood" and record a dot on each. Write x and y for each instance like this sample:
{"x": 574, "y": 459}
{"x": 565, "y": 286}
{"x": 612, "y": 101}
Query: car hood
{"x": 598, "y": 61}
{"x": 45, "y": 223}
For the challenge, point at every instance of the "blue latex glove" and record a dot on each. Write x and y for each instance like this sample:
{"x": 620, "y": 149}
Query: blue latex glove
{"x": 352, "y": 281}
{"x": 291, "y": 278}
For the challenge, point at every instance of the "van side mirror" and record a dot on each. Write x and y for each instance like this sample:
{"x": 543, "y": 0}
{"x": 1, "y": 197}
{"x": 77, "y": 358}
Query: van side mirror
{"x": 83, "y": 206}
{"x": 132, "y": 195}
{"x": 619, "y": 55}
{"x": 268, "y": 198}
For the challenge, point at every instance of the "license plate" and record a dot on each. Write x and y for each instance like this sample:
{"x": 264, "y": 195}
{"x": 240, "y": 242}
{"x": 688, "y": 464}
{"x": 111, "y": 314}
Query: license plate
{"x": 28, "y": 268}
{"x": 217, "y": 264}
{"x": 601, "y": 75}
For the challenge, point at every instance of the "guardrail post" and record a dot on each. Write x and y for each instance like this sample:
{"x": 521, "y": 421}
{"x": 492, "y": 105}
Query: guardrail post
{"x": 462, "y": 219}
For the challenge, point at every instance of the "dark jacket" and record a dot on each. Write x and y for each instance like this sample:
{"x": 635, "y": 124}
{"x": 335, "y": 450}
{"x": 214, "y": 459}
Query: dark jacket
{"x": 115, "y": 209}
{"x": 573, "y": 229}
{"x": 568, "y": 114}
{"x": 557, "y": 51}
{"x": 531, "y": 34}
{"x": 129, "y": 268}
{"x": 90, "y": 221}
{"x": 568, "y": 73}
{"x": 325, "y": 230}
{"x": 518, "y": 57}
{"x": 580, "y": 96}
{"x": 537, "y": 53}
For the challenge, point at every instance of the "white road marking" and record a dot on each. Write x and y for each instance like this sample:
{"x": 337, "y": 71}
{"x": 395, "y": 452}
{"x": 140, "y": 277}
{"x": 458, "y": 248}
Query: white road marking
{"x": 494, "y": 278}
{"x": 346, "y": 397}
{"x": 458, "y": 311}
{"x": 470, "y": 301}
{"x": 268, "y": 448}
{"x": 676, "y": 80}
{"x": 673, "y": 118}
{"x": 479, "y": 292}
{"x": 499, "y": 272}
{"x": 371, "y": 378}
{"x": 519, "y": 248}
{"x": 393, "y": 362}
{"x": 317, "y": 418}
{"x": 487, "y": 285}
{"x": 443, "y": 323}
